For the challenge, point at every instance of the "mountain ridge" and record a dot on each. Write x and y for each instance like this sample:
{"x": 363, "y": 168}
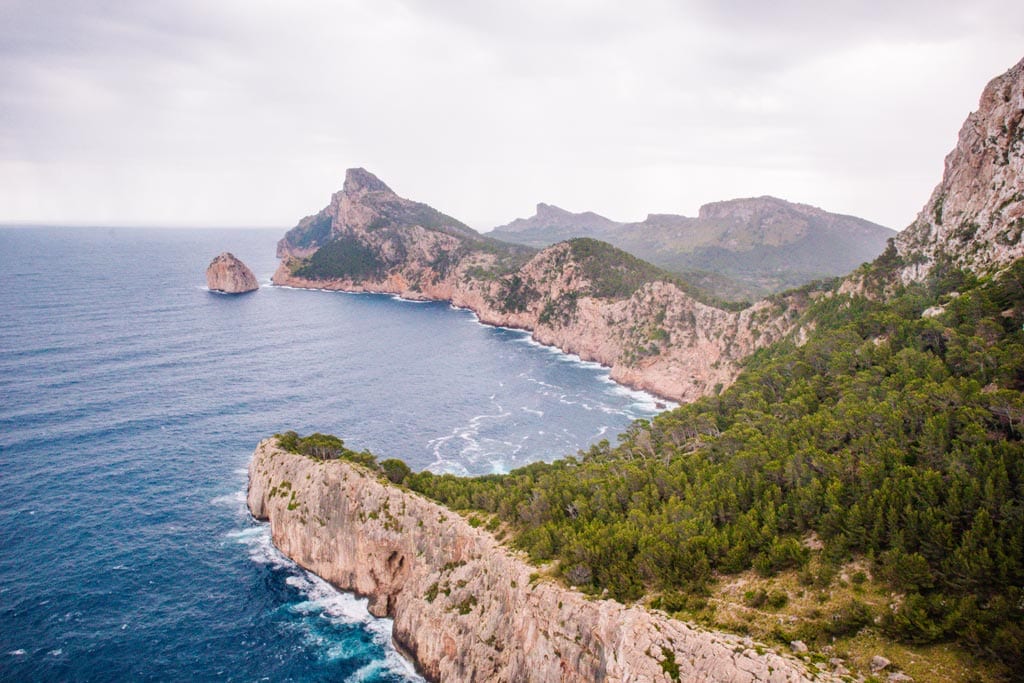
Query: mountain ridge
{"x": 763, "y": 244}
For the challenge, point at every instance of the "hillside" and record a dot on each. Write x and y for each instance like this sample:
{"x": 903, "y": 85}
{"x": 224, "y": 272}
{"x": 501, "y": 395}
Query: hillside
{"x": 738, "y": 249}
{"x": 859, "y": 489}
{"x": 652, "y": 328}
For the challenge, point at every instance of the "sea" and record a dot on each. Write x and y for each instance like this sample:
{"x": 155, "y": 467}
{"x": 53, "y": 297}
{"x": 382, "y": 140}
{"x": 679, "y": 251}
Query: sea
{"x": 131, "y": 399}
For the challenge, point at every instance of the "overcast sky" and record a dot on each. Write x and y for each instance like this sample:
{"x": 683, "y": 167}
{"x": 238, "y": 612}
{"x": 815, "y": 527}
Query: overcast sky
{"x": 248, "y": 112}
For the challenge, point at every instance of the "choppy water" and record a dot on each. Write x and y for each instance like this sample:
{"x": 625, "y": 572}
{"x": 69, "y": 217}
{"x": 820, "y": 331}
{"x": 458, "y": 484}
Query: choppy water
{"x": 130, "y": 401}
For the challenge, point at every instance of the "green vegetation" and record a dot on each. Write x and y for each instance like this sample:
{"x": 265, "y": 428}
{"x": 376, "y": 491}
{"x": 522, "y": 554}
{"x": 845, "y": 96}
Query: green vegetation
{"x": 616, "y": 274}
{"x": 888, "y": 449}
{"x": 888, "y": 436}
{"x": 344, "y": 257}
{"x": 325, "y": 447}
{"x": 515, "y": 295}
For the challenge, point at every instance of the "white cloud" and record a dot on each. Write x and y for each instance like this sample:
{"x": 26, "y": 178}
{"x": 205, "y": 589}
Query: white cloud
{"x": 248, "y": 112}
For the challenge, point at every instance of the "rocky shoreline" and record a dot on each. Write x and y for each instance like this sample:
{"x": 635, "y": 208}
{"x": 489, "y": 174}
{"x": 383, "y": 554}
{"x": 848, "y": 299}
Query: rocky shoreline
{"x": 702, "y": 348}
{"x": 464, "y": 606}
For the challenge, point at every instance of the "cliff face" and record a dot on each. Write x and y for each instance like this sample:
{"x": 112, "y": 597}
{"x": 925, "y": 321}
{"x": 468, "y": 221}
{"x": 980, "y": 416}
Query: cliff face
{"x": 975, "y": 216}
{"x": 582, "y": 296}
{"x": 463, "y": 606}
{"x": 226, "y": 273}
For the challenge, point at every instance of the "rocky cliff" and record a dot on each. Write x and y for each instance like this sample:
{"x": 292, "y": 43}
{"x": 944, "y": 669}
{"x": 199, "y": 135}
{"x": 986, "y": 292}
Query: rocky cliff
{"x": 464, "y": 607}
{"x": 583, "y": 296}
{"x": 975, "y": 216}
{"x": 226, "y": 273}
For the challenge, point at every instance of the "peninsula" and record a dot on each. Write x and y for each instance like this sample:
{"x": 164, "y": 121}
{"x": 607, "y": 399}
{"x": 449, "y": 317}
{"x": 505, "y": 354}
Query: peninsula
{"x": 858, "y": 486}
{"x": 586, "y": 297}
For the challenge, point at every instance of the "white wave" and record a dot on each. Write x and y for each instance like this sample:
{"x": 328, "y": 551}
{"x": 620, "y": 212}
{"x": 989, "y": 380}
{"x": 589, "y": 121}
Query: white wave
{"x": 261, "y": 548}
{"x": 532, "y": 411}
{"x": 234, "y": 499}
{"x": 464, "y": 444}
{"x": 323, "y": 599}
{"x": 399, "y": 297}
{"x": 17, "y": 653}
{"x": 56, "y": 653}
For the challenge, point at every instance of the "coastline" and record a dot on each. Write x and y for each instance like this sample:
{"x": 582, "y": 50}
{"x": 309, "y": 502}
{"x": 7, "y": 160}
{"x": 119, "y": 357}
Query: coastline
{"x": 708, "y": 343}
{"x": 460, "y": 599}
{"x": 659, "y": 402}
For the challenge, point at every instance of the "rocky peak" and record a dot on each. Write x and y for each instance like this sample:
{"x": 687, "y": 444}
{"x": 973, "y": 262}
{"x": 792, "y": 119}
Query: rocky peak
{"x": 748, "y": 208}
{"x": 226, "y": 273}
{"x": 549, "y": 216}
{"x": 975, "y": 216}
{"x": 546, "y": 211}
{"x": 360, "y": 181}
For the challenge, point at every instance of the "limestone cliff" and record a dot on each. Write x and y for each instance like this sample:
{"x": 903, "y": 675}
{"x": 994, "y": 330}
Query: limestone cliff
{"x": 226, "y": 273}
{"x": 975, "y": 216}
{"x": 464, "y": 607}
{"x": 583, "y": 296}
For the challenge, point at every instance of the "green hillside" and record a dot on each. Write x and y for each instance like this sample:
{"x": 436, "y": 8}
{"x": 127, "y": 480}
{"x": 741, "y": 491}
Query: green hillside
{"x": 891, "y": 437}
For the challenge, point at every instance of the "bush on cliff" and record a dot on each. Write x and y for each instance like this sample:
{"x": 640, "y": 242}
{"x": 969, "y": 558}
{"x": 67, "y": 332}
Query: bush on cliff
{"x": 323, "y": 447}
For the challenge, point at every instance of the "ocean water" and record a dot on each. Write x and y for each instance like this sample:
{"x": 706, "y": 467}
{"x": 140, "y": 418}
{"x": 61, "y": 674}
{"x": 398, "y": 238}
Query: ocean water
{"x": 130, "y": 401}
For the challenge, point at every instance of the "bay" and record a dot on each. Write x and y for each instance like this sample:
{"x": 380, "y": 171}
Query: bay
{"x": 130, "y": 401}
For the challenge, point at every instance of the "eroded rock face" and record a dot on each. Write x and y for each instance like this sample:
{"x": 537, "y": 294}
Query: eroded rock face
{"x": 465, "y": 607}
{"x": 975, "y": 216}
{"x": 226, "y": 273}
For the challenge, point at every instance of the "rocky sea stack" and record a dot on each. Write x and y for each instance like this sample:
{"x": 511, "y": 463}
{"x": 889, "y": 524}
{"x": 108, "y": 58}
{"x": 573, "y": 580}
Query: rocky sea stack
{"x": 226, "y": 273}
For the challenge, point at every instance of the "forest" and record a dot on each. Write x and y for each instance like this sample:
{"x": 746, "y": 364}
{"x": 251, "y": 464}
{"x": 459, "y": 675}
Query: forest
{"x": 893, "y": 435}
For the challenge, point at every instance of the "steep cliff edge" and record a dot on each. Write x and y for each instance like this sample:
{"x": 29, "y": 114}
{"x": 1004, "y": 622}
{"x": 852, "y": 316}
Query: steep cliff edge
{"x": 975, "y": 217}
{"x": 583, "y": 296}
{"x": 463, "y": 606}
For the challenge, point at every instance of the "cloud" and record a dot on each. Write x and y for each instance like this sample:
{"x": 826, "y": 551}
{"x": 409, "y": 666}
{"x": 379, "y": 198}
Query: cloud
{"x": 248, "y": 112}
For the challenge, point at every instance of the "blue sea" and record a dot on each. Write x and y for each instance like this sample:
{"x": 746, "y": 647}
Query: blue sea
{"x": 131, "y": 399}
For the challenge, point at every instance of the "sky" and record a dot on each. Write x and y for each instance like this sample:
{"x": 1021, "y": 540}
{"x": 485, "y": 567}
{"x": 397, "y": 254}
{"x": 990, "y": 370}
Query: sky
{"x": 247, "y": 112}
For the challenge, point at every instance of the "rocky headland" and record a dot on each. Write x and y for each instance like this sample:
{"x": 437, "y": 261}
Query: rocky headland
{"x": 582, "y": 296}
{"x": 465, "y": 608}
{"x": 226, "y": 273}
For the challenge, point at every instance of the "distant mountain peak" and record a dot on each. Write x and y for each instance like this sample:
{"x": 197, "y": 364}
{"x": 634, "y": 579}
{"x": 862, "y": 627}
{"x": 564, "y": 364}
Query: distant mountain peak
{"x": 747, "y": 206}
{"x": 549, "y": 216}
{"x": 359, "y": 180}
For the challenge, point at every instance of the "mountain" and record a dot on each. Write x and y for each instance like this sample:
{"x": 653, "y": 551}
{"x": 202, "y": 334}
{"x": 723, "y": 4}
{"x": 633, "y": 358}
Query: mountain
{"x": 755, "y": 246}
{"x": 975, "y": 216}
{"x": 853, "y": 489}
{"x": 365, "y": 204}
{"x": 655, "y": 330}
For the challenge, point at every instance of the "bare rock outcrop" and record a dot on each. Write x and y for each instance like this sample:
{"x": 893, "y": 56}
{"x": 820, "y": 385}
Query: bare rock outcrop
{"x": 464, "y": 607}
{"x": 226, "y": 273}
{"x": 975, "y": 216}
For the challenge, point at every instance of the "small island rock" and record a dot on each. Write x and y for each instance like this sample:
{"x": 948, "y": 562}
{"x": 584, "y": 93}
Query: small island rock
{"x": 228, "y": 274}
